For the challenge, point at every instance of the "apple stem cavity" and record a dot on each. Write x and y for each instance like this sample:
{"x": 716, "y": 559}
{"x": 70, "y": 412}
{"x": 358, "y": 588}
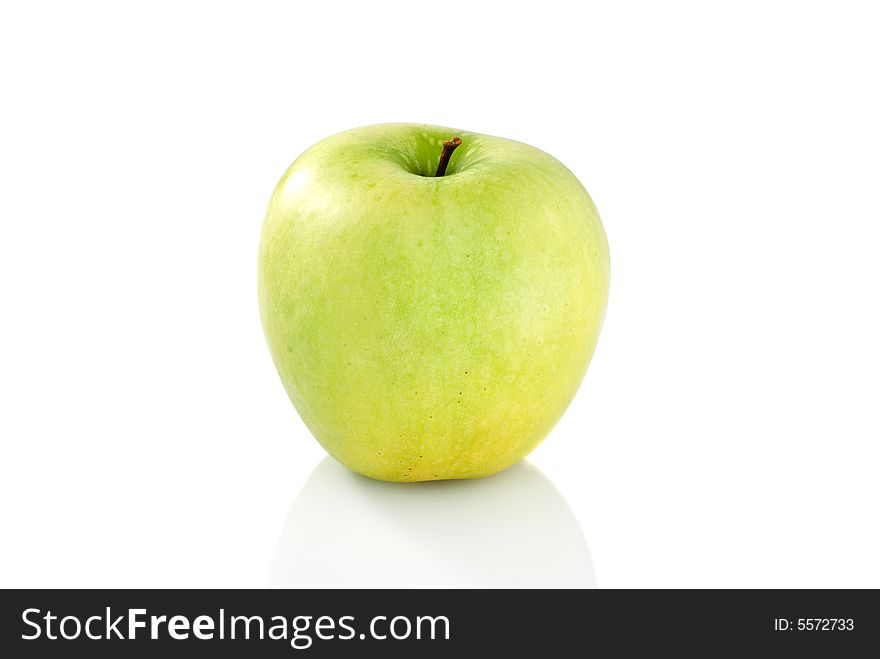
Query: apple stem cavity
{"x": 448, "y": 147}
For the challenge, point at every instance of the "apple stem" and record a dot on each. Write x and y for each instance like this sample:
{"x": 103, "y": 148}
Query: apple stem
{"x": 448, "y": 147}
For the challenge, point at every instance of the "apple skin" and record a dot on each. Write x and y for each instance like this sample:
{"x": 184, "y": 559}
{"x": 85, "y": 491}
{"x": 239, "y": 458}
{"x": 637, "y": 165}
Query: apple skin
{"x": 424, "y": 327}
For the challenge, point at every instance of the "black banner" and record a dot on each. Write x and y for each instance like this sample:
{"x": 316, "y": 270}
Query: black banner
{"x": 333, "y": 623}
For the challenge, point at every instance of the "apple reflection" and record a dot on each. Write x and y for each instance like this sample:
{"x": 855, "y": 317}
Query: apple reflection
{"x": 511, "y": 530}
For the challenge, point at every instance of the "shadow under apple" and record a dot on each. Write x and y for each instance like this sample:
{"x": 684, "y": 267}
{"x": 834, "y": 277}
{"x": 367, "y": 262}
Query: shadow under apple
{"x": 511, "y": 530}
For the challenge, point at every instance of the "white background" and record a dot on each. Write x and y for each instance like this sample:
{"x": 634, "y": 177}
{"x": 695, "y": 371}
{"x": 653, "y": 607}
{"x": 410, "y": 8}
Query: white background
{"x": 727, "y": 432}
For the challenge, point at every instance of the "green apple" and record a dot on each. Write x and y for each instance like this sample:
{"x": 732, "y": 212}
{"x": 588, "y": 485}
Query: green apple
{"x": 430, "y": 326}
